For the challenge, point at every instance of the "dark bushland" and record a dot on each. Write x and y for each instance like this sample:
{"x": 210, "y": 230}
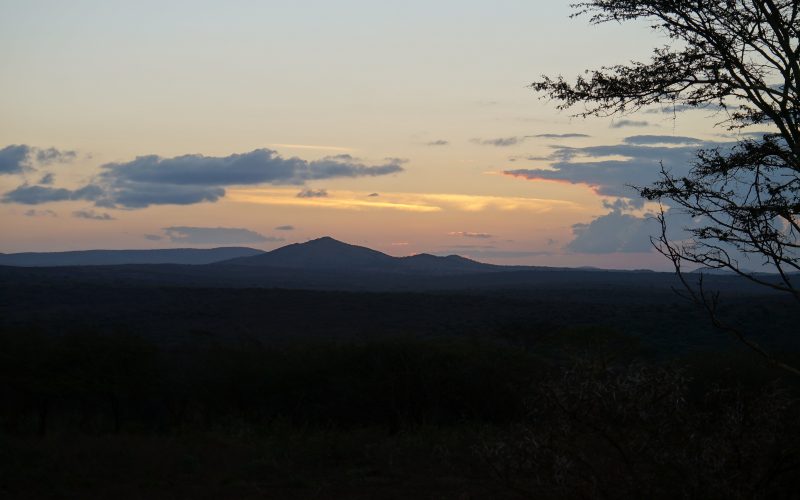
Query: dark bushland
{"x": 584, "y": 412}
{"x": 108, "y": 383}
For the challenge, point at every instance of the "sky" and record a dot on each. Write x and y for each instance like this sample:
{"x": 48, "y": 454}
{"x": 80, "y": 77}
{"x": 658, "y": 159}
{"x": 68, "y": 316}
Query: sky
{"x": 406, "y": 127}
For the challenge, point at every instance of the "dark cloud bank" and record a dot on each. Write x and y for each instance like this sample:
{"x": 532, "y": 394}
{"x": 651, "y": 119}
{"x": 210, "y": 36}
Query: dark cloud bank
{"x": 642, "y": 157}
{"x": 188, "y": 179}
{"x": 601, "y": 168}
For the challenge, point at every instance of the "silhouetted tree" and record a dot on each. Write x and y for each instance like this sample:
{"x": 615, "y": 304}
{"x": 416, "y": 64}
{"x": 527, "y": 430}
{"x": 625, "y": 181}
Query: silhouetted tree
{"x": 742, "y": 56}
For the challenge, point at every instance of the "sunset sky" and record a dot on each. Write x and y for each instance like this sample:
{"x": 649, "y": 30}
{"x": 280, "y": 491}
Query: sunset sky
{"x": 407, "y": 127}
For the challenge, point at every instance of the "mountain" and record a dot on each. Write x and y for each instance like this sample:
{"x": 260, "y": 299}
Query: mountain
{"x": 328, "y": 254}
{"x": 450, "y": 264}
{"x": 322, "y": 253}
{"x": 190, "y": 256}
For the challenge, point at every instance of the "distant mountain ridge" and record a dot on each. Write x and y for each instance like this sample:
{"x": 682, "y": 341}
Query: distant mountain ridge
{"x": 325, "y": 264}
{"x": 320, "y": 255}
{"x": 328, "y": 254}
{"x": 186, "y": 256}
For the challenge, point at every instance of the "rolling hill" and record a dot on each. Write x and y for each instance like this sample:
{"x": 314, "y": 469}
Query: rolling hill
{"x": 187, "y": 256}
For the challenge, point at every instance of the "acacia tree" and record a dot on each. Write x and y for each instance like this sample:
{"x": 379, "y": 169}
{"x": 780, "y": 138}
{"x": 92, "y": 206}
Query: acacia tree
{"x": 742, "y": 57}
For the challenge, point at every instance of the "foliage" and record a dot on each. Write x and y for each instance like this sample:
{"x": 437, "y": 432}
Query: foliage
{"x": 742, "y": 57}
{"x": 639, "y": 431}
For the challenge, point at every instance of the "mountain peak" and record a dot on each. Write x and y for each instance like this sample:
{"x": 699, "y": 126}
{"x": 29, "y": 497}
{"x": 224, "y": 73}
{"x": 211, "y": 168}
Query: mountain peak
{"x": 329, "y": 254}
{"x": 323, "y": 253}
{"x": 324, "y": 240}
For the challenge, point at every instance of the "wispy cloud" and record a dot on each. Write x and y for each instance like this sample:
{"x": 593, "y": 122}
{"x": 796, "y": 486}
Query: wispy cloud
{"x": 313, "y": 193}
{"x": 40, "y": 213}
{"x": 311, "y": 146}
{"x": 560, "y": 136}
{"x": 469, "y": 234}
{"x": 92, "y": 215}
{"x": 630, "y": 123}
{"x": 661, "y": 139}
{"x": 411, "y": 202}
{"x": 47, "y": 179}
{"x": 215, "y": 235}
{"x": 499, "y": 142}
{"x": 680, "y": 108}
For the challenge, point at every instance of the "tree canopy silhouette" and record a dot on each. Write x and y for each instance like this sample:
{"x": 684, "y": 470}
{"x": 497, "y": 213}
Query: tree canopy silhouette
{"x": 741, "y": 57}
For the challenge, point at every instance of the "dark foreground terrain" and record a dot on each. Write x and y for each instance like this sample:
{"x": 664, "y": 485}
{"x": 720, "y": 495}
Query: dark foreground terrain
{"x": 117, "y": 384}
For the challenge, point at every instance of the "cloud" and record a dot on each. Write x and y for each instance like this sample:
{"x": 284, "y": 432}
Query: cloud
{"x": 285, "y": 228}
{"x": 630, "y": 123}
{"x": 342, "y": 157}
{"x": 47, "y": 179}
{"x": 182, "y": 180}
{"x": 660, "y": 139}
{"x": 529, "y": 158}
{"x": 601, "y": 167}
{"x": 52, "y": 155}
{"x": 440, "y": 142}
{"x": 313, "y": 193}
{"x": 40, "y": 213}
{"x": 559, "y": 136}
{"x": 373, "y": 195}
{"x": 471, "y": 247}
{"x": 467, "y": 234}
{"x": 619, "y": 232}
{"x": 612, "y": 233}
{"x": 17, "y": 158}
{"x": 413, "y": 202}
{"x": 680, "y": 108}
{"x": 188, "y": 179}
{"x": 91, "y": 214}
{"x": 499, "y": 142}
{"x": 35, "y": 195}
{"x": 215, "y": 235}
{"x": 14, "y": 159}
{"x": 624, "y": 205}
{"x": 153, "y": 237}
{"x": 142, "y": 196}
